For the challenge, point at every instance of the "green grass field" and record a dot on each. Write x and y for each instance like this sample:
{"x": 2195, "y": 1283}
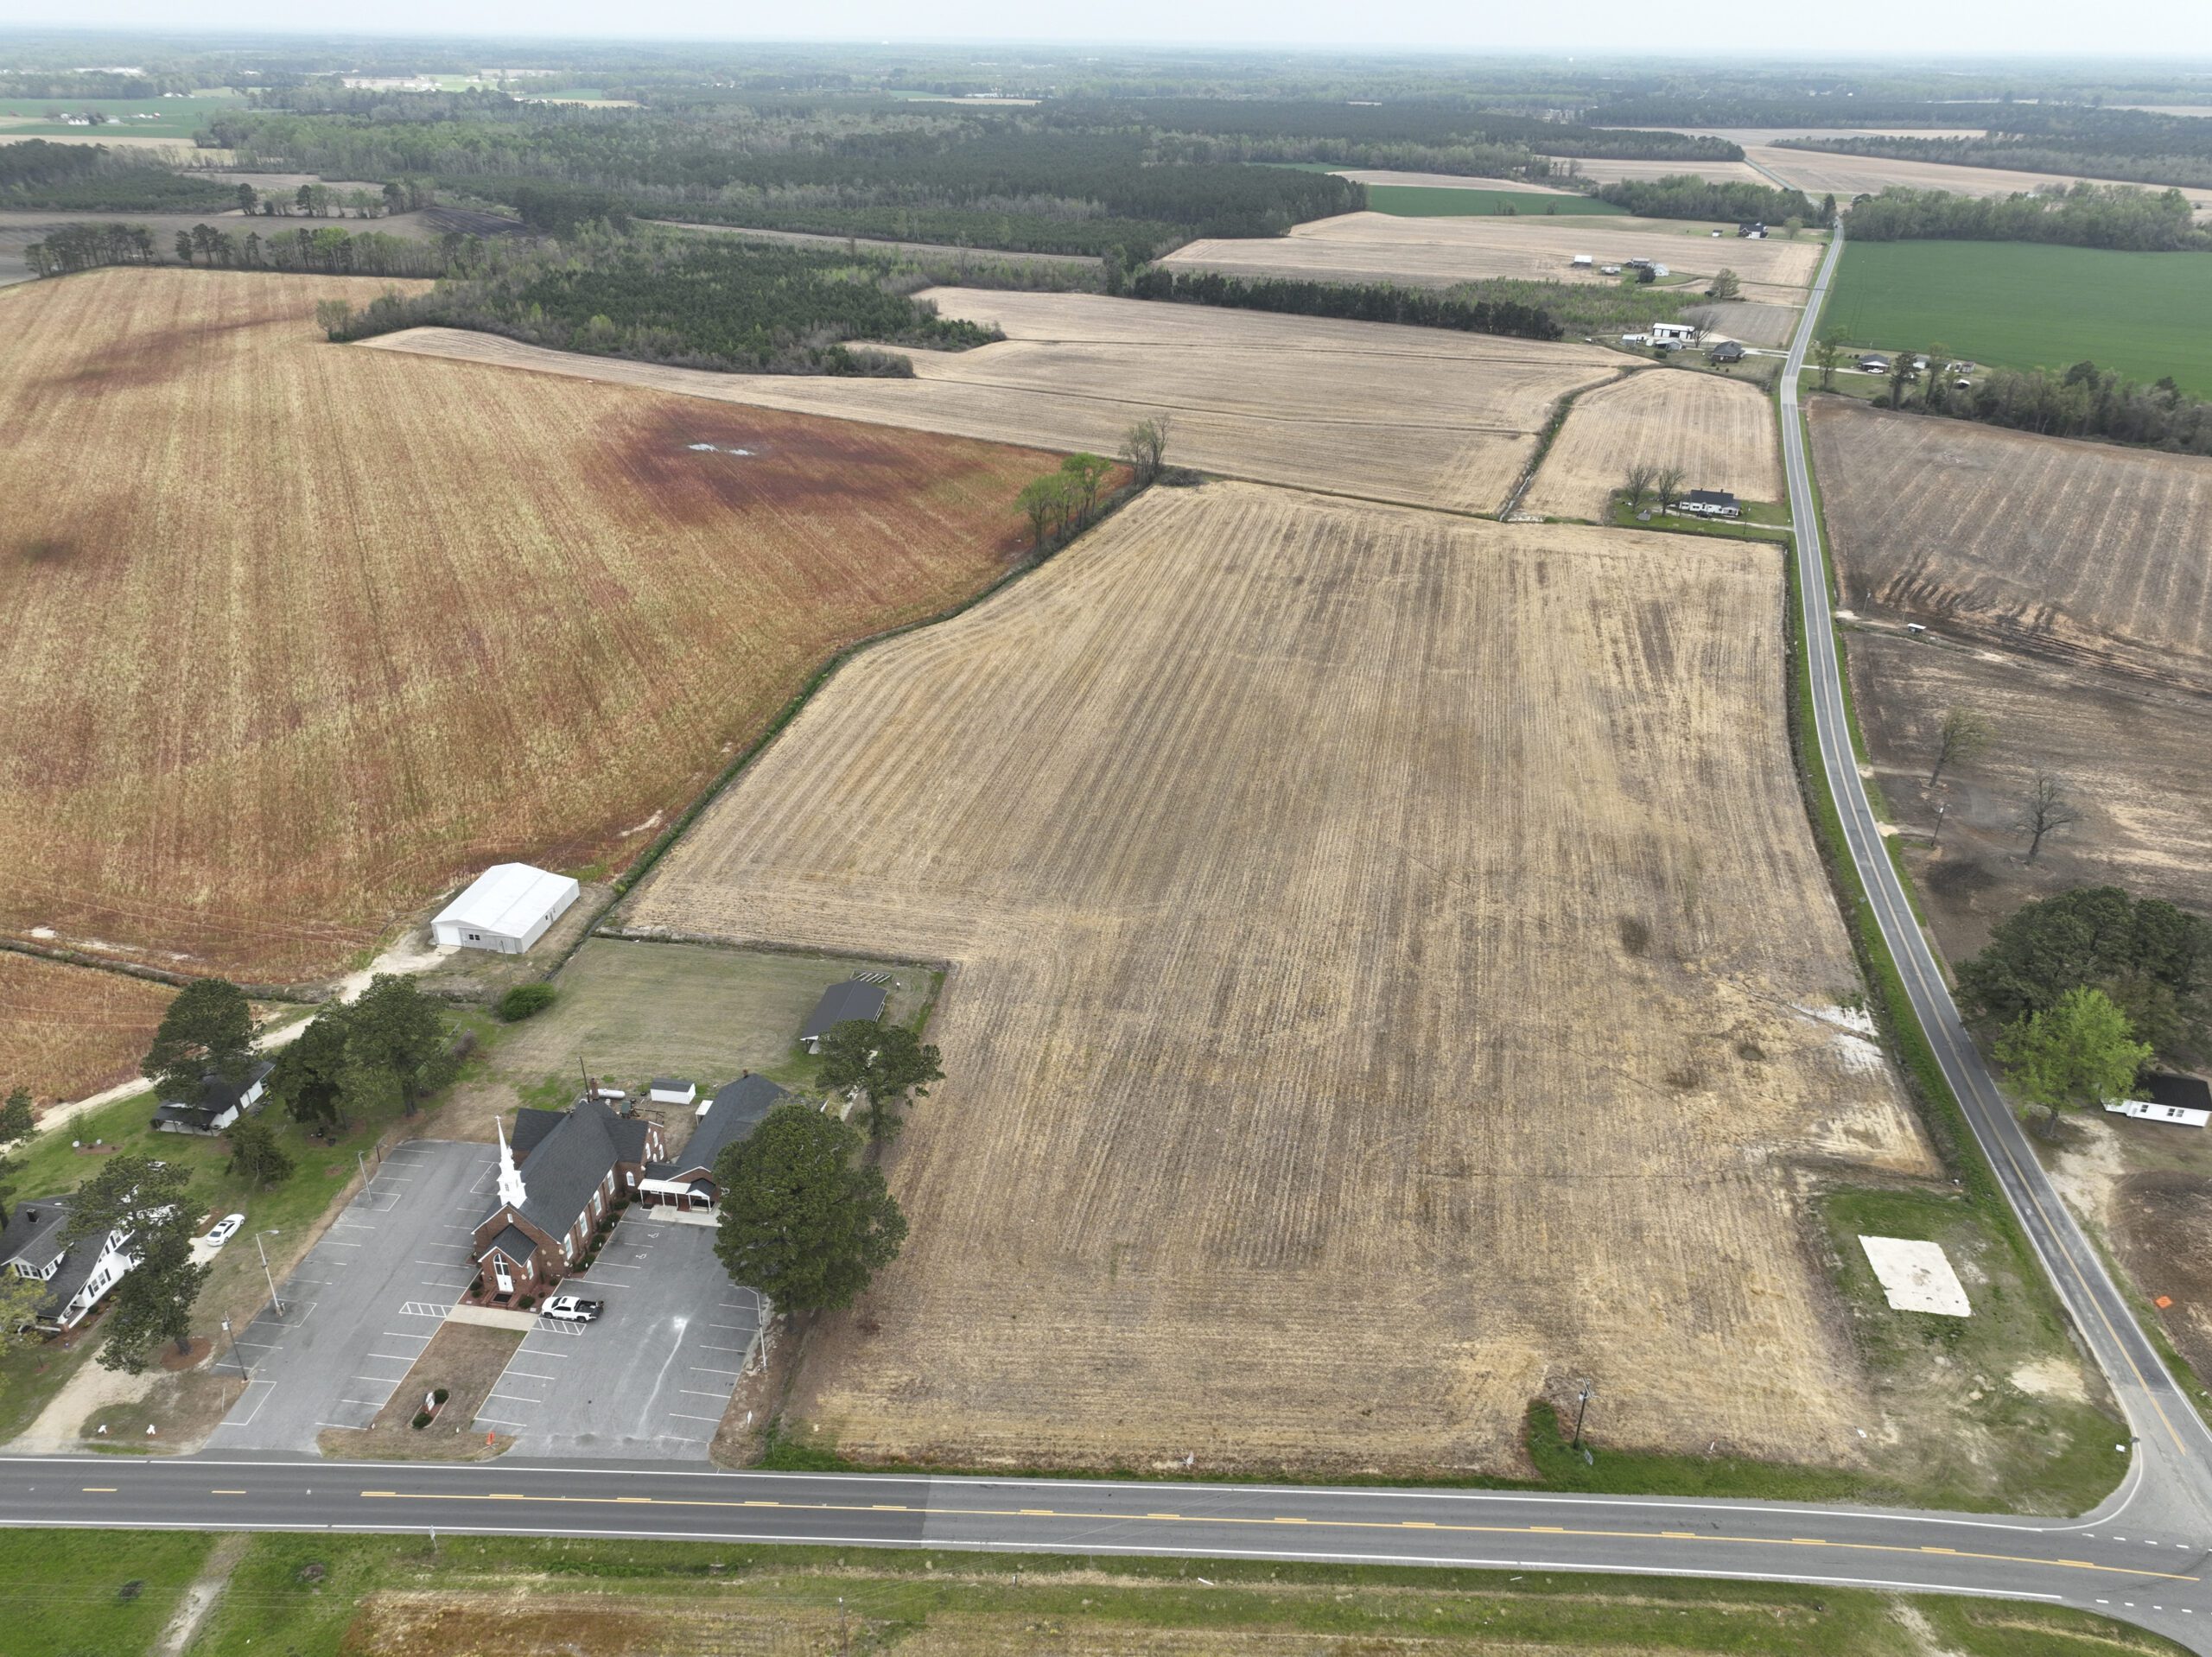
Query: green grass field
{"x": 2028, "y": 305}
{"x": 1448, "y": 201}
{"x": 173, "y": 117}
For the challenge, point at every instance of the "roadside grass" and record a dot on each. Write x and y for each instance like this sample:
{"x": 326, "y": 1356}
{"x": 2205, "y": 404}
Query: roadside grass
{"x": 74, "y": 1593}
{"x": 1450, "y": 201}
{"x": 1762, "y": 521}
{"x": 318, "y": 1596}
{"x": 2027, "y": 305}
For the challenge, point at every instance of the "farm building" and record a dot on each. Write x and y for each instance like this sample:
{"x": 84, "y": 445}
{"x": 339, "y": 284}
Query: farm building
{"x": 841, "y": 1004}
{"x": 76, "y": 1275}
{"x": 1751, "y": 230}
{"x": 1581, "y": 262}
{"x": 216, "y": 1106}
{"x": 672, "y": 1090}
{"x": 562, "y": 1174}
{"x": 1672, "y": 333}
{"x": 1708, "y": 502}
{"x": 1728, "y": 351}
{"x": 505, "y": 909}
{"x": 687, "y": 1180}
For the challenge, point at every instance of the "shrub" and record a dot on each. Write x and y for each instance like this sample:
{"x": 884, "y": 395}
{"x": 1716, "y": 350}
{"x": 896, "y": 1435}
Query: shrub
{"x": 526, "y": 1000}
{"x": 421, "y": 1420}
{"x": 527, "y": 1302}
{"x": 439, "y": 1396}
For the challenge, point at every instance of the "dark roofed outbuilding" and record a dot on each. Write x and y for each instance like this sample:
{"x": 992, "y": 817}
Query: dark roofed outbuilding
{"x": 841, "y": 1004}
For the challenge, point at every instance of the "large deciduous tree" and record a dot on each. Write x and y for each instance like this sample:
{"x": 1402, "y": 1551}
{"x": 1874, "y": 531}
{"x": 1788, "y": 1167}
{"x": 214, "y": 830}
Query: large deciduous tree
{"x": 309, "y": 1077}
{"x": 2079, "y": 1053}
{"x": 207, "y": 1031}
{"x": 887, "y": 1063}
{"x": 396, "y": 1036}
{"x": 800, "y": 1222}
{"x": 1964, "y": 733}
{"x": 144, "y": 1199}
{"x": 254, "y": 1155}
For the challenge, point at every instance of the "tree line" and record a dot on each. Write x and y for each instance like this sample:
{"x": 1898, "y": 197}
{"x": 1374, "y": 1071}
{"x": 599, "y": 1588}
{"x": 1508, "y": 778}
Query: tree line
{"x": 1690, "y": 197}
{"x": 2137, "y": 146}
{"x": 2082, "y": 400}
{"x": 1367, "y": 301}
{"x": 691, "y": 301}
{"x": 2082, "y": 215}
{"x": 325, "y": 251}
{"x": 91, "y": 178}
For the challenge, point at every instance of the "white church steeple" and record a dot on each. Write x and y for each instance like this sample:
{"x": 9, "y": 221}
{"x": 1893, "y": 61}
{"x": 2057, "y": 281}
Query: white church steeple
{"x": 510, "y": 1191}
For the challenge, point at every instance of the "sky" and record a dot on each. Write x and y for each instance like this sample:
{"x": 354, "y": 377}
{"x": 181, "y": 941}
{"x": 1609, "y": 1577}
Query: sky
{"x": 1735, "y": 29}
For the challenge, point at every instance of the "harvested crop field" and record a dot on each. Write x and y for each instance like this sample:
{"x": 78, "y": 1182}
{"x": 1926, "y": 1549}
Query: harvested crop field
{"x": 1423, "y": 415}
{"x": 67, "y": 1031}
{"x": 1311, "y": 872}
{"x": 2086, "y": 551}
{"x": 2132, "y": 755}
{"x": 298, "y": 636}
{"x": 1820, "y": 173}
{"x": 1719, "y": 432}
{"x": 1437, "y": 252}
{"x": 1605, "y": 171}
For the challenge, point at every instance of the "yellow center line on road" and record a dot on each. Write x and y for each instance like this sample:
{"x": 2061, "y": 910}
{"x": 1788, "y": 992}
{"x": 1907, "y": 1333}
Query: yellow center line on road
{"x": 1329, "y": 1524}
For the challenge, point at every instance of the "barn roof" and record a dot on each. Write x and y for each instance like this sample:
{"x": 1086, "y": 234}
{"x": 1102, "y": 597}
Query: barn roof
{"x": 508, "y": 898}
{"x": 841, "y": 1003}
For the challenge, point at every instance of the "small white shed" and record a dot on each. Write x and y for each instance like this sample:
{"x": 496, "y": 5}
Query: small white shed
{"x": 506, "y": 909}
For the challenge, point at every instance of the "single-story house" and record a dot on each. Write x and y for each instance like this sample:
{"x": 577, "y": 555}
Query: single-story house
{"x": 1873, "y": 365}
{"x": 687, "y": 1180}
{"x": 217, "y": 1105}
{"x": 1751, "y": 230}
{"x": 1728, "y": 351}
{"x": 672, "y": 1090}
{"x": 2183, "y": 1100}
{"x": 840, "y": 1004}
{"x": 1708, "y": 502}
{"x": 505, "y": 909}
{"x": 1672, "y": 333}
{"x": 559, "y": 1177}
{"x": 77, "y": 1275}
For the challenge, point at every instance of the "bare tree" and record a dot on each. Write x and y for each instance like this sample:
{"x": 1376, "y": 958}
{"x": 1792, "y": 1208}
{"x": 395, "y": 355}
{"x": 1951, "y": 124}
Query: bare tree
{"x": 1144, "y": 445}
{"x": 2044, "y": 809}
{"x": 1964, "y": 733}
{"x": 1668, "y": 484}
{"x": 1637, "y": 489}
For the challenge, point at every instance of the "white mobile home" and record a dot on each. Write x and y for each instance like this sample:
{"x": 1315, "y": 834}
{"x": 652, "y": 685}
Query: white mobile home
{"x": 506, "y": 909}
{"x": 1672, "y": 333}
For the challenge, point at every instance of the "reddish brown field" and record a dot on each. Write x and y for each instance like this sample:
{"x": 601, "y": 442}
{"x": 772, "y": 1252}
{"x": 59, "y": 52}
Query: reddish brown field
{"x": 66, "y": 1031}
{"x": 298, "y": 636}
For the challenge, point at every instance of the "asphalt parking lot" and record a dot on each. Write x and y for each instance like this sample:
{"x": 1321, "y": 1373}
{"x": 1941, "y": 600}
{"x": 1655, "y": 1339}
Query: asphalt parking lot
{"x": 648, "y": 1381}
{"x": 363, "y": 1303}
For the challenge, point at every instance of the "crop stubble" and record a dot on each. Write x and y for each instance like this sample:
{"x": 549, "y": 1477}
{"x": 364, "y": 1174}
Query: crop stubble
{"x": 1423, "y": 415}
{"x": 1719, "y": 432}
{"x": 1375, "y": 936}
{"x": 1437, "y": 252}
{"x": 66, "y": 1031}
{"x": 2083, "y": 550}
{"x": 297, "y": 635}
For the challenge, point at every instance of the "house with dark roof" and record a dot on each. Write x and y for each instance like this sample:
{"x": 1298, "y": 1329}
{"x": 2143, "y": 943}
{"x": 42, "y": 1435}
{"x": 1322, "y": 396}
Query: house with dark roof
{"x": 840, "y": 1004}
{"x": 560, "y": 1175}
{"x": 216, "y": 1104}
{"x": 78, "y": 1275}
{"x": 1707, "y": 503}
{"x": 686, "y": 1181}
{"x": 1728, "y": 351}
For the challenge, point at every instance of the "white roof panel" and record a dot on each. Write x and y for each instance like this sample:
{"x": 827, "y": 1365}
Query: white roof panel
{"x": 508, "y": 898}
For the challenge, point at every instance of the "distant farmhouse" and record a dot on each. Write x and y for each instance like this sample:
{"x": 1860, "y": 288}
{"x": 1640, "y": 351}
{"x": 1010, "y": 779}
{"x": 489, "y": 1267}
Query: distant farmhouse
{"x": 1751, "y": 230}
{"x": 560, "y": 1176}
{"x": 840, "y": 1004}
{"x": 216, "y": 1104}
{"x": 1708, "y": 502}
{"x": 1728, "y": 351}
{"x": 506, "y": 909}
{"x": 76, "y": 1274}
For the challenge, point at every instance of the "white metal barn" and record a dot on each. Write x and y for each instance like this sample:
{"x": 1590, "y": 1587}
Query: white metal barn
{"x": 506, "y": 909}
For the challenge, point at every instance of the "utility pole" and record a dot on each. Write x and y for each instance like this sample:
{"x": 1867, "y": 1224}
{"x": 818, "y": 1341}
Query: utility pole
{"x": 267, "y": 1275}
{"x": 1581, "y": 1406}
{"x": 1936, "y": 839}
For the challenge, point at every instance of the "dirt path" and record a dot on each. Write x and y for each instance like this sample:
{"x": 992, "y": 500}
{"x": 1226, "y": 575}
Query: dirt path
{"x": 207, "y": 1588}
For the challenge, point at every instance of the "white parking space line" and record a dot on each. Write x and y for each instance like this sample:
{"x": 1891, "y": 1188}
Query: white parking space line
{"x": 510, "y": 1398}
{"x": 704, "y": 1347}
{"x": 529, "y": 1374}
{"x": 680, "y": 1416}
{"x": 693, "y": 1392}
{"x": 709, "y": 1369}
{"x": 267, "y": 1387}
{"x": 499, "y": 1421}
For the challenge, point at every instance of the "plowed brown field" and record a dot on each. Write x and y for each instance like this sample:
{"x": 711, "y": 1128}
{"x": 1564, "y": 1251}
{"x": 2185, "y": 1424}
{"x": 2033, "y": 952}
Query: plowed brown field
{"x": 1437, "y": 252}
{"x": 1719, "y": 432}
{"x": 1423, "y": 416}
{"x": 298, "y": 636}
{"x": 2080, "y": 549}
{"x": 1377, "y": 942}
{"x": 66, "y": 1031}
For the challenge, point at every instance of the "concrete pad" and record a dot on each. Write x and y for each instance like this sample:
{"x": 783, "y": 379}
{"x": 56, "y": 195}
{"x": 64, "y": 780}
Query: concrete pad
{"x": 1917, "y": 1276}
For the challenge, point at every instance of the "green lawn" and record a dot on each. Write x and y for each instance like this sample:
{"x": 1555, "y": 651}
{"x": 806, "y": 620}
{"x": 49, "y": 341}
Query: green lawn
{"x": 74, "y": 1593}
{"x": 175, "y": 118}
{"x": 1448, "y": 201}
{"x": 2028, "y": 305}
{"x": 320, "y": 1596}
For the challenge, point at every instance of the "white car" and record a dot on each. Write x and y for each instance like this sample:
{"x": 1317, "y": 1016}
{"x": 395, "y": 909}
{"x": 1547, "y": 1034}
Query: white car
{"x": 571, "y": 1309}
{"x": 225, "y": 1229}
